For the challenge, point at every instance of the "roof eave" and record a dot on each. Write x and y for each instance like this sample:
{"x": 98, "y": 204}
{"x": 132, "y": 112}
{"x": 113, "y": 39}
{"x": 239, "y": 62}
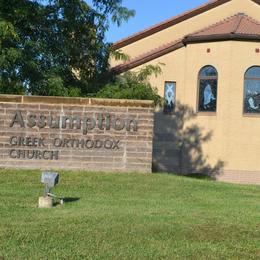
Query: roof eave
{"x": 141, "y": 60}
{"x": 221, "y": 37}
{"x": 187, "y": 40}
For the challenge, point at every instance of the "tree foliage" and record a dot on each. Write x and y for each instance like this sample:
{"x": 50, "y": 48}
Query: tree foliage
{"x": 55, "y": 47}
{"x": 133, "y": 85}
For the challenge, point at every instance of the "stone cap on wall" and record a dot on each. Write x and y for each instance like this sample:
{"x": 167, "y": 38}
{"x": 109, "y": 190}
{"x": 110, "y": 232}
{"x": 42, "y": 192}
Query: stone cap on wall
{"x": 75, "y": 101}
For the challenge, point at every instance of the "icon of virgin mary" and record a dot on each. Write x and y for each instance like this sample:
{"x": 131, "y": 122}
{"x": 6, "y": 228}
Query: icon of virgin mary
{"x": 208, "y": 96}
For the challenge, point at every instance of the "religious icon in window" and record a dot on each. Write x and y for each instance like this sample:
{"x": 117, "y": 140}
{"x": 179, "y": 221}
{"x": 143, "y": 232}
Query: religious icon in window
{"x": 208, "y": 82}
{"x": 208, "y": 96}
{"x": 169, "y": 97}
{"x": 252, "y": 90}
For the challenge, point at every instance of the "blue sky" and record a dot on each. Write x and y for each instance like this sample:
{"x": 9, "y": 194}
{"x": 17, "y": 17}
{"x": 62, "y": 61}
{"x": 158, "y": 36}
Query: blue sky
{"x": 149, "y": 12}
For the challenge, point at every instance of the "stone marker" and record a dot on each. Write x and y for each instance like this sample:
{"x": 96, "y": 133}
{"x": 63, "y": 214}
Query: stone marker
{"x": 45, "y": 202}
{"x": 76, "y": 134}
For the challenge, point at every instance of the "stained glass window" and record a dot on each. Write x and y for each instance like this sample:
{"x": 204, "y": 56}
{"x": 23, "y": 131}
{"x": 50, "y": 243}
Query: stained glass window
{"x": 169, "y": 96}
{"x": 208, "y": 85}
{"x": 252, "y": 90}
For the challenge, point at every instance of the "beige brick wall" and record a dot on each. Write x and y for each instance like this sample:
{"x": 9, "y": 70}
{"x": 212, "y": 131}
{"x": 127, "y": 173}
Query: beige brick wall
{"x": 106, "y": 147}
{"x": 224, "y": 144}
{"x": 239, "y": 177}
{"x": 234, "y": 142}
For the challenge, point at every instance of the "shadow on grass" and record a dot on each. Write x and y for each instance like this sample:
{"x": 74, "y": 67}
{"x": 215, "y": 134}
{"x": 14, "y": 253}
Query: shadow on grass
{"x": 65, "y": 201}
{"x": 200, "y": 176}
{"x": 69, "y": 200}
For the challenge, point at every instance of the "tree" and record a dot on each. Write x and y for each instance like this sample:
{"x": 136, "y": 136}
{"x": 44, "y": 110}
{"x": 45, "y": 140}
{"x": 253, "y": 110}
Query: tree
{"x": 55, "y": 47}
{"x": 133, "y": 85}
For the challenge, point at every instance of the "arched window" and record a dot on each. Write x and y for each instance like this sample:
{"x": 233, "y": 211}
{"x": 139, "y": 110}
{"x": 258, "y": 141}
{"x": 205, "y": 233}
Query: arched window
{"x": 208, "y": 86}
{"x": 252, "y": 90}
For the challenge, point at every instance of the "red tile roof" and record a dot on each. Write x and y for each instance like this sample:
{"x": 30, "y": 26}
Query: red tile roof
{"x": 237, "y": 27}
{"x": 237, "y": 24}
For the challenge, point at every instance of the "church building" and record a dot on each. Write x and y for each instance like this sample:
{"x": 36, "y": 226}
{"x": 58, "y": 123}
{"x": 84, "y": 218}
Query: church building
{"x": 210, "y": 80}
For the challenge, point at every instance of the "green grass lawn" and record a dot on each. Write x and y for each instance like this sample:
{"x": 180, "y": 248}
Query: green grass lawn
{"x": 128, "y": 216}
